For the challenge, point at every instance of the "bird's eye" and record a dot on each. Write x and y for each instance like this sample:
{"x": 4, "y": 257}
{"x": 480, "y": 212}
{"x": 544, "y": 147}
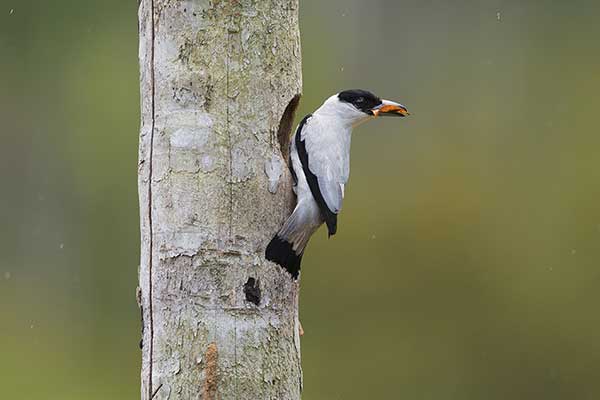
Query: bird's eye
{"x": 360, "y": 100}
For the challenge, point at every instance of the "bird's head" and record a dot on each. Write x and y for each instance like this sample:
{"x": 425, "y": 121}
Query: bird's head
{"x": 358, "y": 105}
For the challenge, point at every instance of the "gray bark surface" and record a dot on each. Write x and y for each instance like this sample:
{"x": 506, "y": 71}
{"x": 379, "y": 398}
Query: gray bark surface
{"x": 219, "y": 321}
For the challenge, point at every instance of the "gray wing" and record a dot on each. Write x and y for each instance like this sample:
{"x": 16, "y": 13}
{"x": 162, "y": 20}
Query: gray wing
{"x": 329, "y": 160}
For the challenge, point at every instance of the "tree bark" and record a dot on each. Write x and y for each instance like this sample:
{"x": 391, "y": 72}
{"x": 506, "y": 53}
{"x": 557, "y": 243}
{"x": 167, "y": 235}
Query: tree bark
{"x": 219, "y": 321}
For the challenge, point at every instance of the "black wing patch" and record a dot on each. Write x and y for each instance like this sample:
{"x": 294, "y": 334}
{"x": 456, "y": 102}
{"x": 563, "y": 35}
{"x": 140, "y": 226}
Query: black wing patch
{"x": 313, "y": 183}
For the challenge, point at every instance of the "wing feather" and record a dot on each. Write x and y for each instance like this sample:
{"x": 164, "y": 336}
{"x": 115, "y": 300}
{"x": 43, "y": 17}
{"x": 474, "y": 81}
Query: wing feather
{"x": 325, "y": 162}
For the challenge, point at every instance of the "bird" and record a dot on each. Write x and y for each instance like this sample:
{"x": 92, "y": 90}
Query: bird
{"x": 319, "y": 162}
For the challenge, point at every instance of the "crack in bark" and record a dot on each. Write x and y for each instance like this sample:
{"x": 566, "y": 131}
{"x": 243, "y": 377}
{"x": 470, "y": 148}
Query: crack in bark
{"x": 227, "y": 61}
{"x": 156, "y": 391}
{"x": 150, "y": 228}
{"x": 235, "y": 369}
{"x": 138, "y": 299}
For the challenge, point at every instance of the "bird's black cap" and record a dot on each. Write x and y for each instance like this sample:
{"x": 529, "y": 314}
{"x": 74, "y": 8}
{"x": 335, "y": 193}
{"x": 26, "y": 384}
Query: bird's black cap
{"x": 361, "y": 99}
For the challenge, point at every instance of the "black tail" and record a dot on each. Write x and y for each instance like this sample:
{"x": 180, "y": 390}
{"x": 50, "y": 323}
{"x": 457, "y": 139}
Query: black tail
{"x": 280, "y": 251}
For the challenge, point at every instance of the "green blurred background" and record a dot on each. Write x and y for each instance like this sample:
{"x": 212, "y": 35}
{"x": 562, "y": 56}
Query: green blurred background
{"x": 467, "y": 260}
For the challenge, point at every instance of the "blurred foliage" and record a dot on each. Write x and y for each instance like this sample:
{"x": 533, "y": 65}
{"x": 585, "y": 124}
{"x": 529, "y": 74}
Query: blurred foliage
{"x": 467, "y": 260}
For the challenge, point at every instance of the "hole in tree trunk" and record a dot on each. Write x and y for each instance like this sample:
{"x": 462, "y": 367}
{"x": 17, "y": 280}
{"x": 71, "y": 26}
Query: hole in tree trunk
{"x": 284, "y": 133}
{"x": 252, "y": 291}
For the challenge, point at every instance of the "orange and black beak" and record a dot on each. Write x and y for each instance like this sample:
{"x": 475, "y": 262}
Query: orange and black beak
{"x": 389, "y": 108}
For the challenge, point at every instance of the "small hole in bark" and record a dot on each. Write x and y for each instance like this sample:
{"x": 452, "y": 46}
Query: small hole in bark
{"x": 284, "y": 133}
{"x": 252, "y": 290}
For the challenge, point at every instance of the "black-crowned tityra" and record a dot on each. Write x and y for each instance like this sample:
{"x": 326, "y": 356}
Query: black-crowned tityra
{"x": 320, "y": 165}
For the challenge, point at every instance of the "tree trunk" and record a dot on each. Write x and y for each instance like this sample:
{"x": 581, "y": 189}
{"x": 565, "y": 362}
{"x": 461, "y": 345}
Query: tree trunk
{"x": 219, "y": 321}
